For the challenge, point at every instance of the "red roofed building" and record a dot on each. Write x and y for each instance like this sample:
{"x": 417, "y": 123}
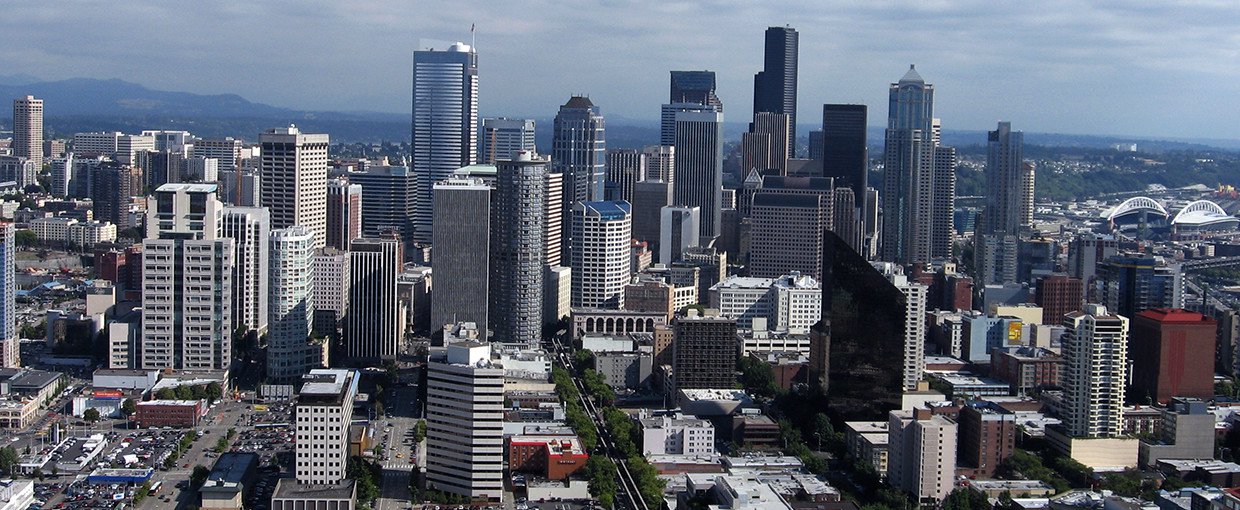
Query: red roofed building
{"x": 554, "y": 457}
{"x": 1172, "y": 353}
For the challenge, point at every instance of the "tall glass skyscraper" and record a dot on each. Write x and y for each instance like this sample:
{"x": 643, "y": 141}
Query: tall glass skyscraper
{"x": 445, "y": 123}
{"x": 775, "y": 87}
{"x": 579, "y": 150}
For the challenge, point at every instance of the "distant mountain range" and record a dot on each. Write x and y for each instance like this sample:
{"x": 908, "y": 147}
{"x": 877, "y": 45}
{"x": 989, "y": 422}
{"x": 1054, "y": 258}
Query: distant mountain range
{"x": 86, "y": 104}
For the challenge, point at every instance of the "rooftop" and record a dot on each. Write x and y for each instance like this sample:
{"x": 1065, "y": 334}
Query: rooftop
{"x": 232, "y": 467}
{"x": 715, "y": 394}
{"x": 288, "y": 488}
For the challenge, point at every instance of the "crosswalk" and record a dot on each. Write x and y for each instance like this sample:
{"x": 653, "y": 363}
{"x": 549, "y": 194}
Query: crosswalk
{"x": 398, "y": 467}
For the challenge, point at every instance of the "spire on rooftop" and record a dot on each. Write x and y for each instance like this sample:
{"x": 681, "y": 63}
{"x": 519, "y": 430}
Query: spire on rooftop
{"x": 911, "y": 76}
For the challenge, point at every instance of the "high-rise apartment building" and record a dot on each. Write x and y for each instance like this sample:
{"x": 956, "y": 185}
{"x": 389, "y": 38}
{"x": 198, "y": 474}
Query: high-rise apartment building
{"x": 1058, "y": 295}
{"x": 704, "y": 352}
{"x": 678, "y": 231}
{"x": 249, "y": 228}
{"x": 517, "y": 249}
{"x": 775, "y": 87}
{"x": 112, "y": 186}
{"x": 503, "y": 138}
{"x": 28, "y": 129}
{"x": 10, "y": 344}
{"x": 699, "y": 166}
{"x": 943, "y": 202}
{"x": 186, "y": 281}
{"x": 1095, "y": 351}
{"x": 293, "y": 173}
{"x": 324, "y": 413}
{"x": 921, "y": 454}
{"x": 388, "y": 197}
{"x": 62, "y": 175}
{"x": 462, "y": 252}
{"x": 625, "y": 168}
{"x": 1172, "y": 351}
{"x": 465, "y": 422}
{"x": 787, "y": 217}
{"x": 445, "y": 122}
{"x": 290, "y": 351}
{"x": 19, "y": 170}
{"x": 987, "y": 438}
{"x": 331, "y": 290}
{"x": 373, "y": 324}
{"x": 555, "y": 220}
{"x": 602, "y": 235}
{"x": 1005, "y": 186}
{"x": 344, "y": 213}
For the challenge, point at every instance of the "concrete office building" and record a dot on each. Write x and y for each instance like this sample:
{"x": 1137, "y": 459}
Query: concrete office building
{"x": 987, "y": 438}
{"x": 790, "y": 303}
{"x": 503, "y": 138}
{"x": 699, "y": 167}
{"x": 293, "y": 175}
{"x": 1095, "y": 350}
{"x": 678, "y": 231}
{"x": 95, "y": 144}
{"x": 344, "y": 213}
{"x": 28, "y": 129}
{"x": 462, "y": 252}
{"x": 228, "y": 153}
{"x": 249, "y": 228}
{"x": 1058, "y": 295}
{"x": 661, "y": 163}
{"x": 388, "y": 197}
{"x": 649, "y": 199}
{"x": 290, "y": 350}
{"x": 677, "y": 435}
{"x": 19, "y": 170}
{"x": 921, "y": 454}
{"x": 186, "y": 281}
{"x": 130, "y": 147}
{"x": 703, "y": 352}
{"x": 374, "y": 325}
{"x": 517, "y": 262}
{"x": 602, "y": 234}
{"x": 200, "y": 169}
{"x": 765, "y": 147}
{"x": 1187, "y": 433}
{"x": 445, "y": 122}
{"x": 324, "y": 413}
{"x": 787, "y": 218}
{"x": 112, "y": 185}
{"x": 331, "y": 290}
{"x": 465, "y": 422}
{"x": 625, "y": 168}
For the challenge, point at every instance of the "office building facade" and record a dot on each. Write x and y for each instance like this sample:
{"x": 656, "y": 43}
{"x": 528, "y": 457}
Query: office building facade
{"x": 28, "y": 129}
{"x": 290, "y": 350}
{"x": 445, "y": 122}
{"x": 293, "y": 180}
{"x": 249, "y": 228}
{"x": 775, "y": 87}
{"x": 602, "y": 235}
{"x": 462, "y": 252}
{"x": 699, "y": 167}
{"x": 344, "y": 213}
{"x": 517, "y": 249}
{"x": 465, "y": 422}
{"x": 1171, "y": 351}
{"x": 324, "y": 413}
{"x": 503, "y": 138}
{"x": 373, "y": 323}
{"x": 388, "y": 197}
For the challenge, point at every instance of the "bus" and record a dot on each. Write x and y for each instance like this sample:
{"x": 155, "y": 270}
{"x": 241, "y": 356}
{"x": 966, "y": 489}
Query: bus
{"x": 155, "y": 488}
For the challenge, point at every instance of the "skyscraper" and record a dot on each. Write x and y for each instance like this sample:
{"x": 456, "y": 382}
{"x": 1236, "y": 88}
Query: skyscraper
{"x": 1095, "y": 349}
{"x": 112, "y": 185}
{"x": 331, "y": 290}
{"x": 293, "y": 173}
{"x": 1005, "y": 186}
{"x": 388, "y": 197}
{"x": 465, "y": 421}
{"x": 764, "y": 148}
{"x": 517, "y": 246}
{"x": 704, "y": 352}
{"x": 696, "y": 87}
{"x": 579, "y": 151}
{"x": 916, "y": 208}
{"x": 678, "y": 231}
{"x": 445, "y": 122}
{"x": 661, "y": 162}
{"x": 787, "y": 218}
{"x": 373, "y": 322}
{"x": 324, "y": 413}
{"x": 844, "y": 155}
{"x": 602, "y": 232}
{"x": 775, "y": 87}
{"x": 28, "y": 129}
{"x": 625, "y": 168}
{"x": 699, "y": 166}
{"x": 1058, "y": 295}
{"x": 503, "y": 138}
{"x": 290, "y": 351}
{"x": 344, "y": 213}
{"x": 462, "y": 252}
{"x": 186, "y": 281}
{"x": 649, "y": 197}
{"x": 248, "y": 227}
{"x": 10, "y": 344}
{"x": 921, "y": 450}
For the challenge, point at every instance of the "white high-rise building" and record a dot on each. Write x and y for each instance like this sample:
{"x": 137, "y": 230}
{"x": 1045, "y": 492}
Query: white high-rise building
{"x": 9, "y": 342}
{"x": 503, "y": 138}
{"x": 915, "y": 295}
{"x": 95, "y": 144}
{"x": 921, "y": 458}
{"x": 465, "y": 422}
{"x": 374, "y": 325}
{"x": 249, "y": 227}
{"x": 62, "y": 175}
{"x": 129, "y": 146}
{"x": 331, "y": 289}
{"x": 678, "y": 231}
{"x": 28, "y": 129}
{"x": 1095, "y": 351}
{"x": 602, "y": 239}
{"x": 290, "y": 353}
{"x": 187, "y": 281}
{"x": 293, "y": 173}
{"x": 445, "y": 122}
{"x": 198, "y": 168}
{"x": 324, "y": 413}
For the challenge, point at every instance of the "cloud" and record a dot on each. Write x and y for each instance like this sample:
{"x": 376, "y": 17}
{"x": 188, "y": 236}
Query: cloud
{"x": 1160, "y": 68}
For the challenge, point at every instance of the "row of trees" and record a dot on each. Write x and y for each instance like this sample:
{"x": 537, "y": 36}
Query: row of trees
{"x": 209, "y": 392}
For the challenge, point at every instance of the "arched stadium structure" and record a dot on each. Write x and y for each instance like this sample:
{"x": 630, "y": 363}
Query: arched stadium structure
{"x": 1203, "y": 215}
{"x": 1137, "y": 211}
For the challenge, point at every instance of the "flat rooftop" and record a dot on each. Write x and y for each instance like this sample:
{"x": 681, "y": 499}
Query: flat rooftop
{"x": 232, "y": 467}
{"x": 289, "y": 488}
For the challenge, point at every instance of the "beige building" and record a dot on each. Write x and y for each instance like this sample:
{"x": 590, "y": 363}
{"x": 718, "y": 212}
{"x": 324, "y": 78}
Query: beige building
{"x": 921, "y": 456}
{"x": 28, "y": 129}
{"x": 293, "y": 172}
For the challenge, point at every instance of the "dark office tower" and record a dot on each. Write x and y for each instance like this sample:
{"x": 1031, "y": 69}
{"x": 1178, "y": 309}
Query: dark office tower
{"x": 503, "y": 138}
{"x": 162, "y": 167}
{"x": 114, "y": 184}
{"x": 908, "y": 192}
{"x": 445, "y": 122}
{"x": 697, "y": 87}
{"x": 787, "y": 219}
{"x": 462, "y": 250}
{"x": 1058, "y": 295}
{"x": 625, "y": 168}
{"x": 845, "y": 217}
{"x": 943, "y": 203}
{"x": 704, "y": 352}
{"x": 844, "y": 157}
{"x": 1005, "y": 184}
{"x": 517, "y": 246}
{"x": 649, "y": 197}
{"x": 775, "y": 87}
{"x": 579, "y": 150}
{"x": 1171, "y": 352}
{"x": 815, "y": 145}
{"x": 373, "y": 324}
{"x": 388, "y": 197}
{"x": 699, "y": 166}
{"x": 1130, "y": 284}
{"x": 857, "y": 350}
{"x": 764, "y": 147}
{"x": 344, "y": 213}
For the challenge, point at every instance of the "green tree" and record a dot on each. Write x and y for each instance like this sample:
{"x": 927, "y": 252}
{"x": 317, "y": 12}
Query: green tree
{"x": 166, "y": 394}
{"x": 199, "y": 476}
{"x": 602, "y": 477}
{"x": 129, "y": 407}
{"x": 184, "y": 392}
{"x": 419, "y": 431}
{"x": 366, "y": 475}
{"x": 8, "y": 459}
{"x": 91, "y": 415}
{"x": 965, "y": 499}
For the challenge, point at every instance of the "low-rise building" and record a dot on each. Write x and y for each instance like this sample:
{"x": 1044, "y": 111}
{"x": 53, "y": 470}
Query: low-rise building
{"x": 554, "y": 457}
{"x": 170, "y": 413}
{"x": 1187, "y": 433}
{"x": 677, "y": 435}
{"x": 291, "y": 495}
{"x": 1026, "y": 369}
{"x": 624, "y": 370}
{"x": 229, "y": 481}
{"x": 18, "y": 413}
{"x": 867, "y": 441}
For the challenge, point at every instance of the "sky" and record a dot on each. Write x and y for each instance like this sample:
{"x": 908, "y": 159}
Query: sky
{"x": 1122, "y": 67}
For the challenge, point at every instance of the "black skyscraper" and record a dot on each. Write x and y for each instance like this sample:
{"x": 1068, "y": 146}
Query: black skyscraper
{"x": 694, "y": 87}
{"x": 843, "y": 147}
{"x": 775, "y": 88}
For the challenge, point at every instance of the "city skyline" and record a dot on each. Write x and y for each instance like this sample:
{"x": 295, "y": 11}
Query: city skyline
{"x": 996, "y": 61}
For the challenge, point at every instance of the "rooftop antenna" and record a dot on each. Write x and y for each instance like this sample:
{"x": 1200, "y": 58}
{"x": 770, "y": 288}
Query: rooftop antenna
{"x": 472, "y": 35}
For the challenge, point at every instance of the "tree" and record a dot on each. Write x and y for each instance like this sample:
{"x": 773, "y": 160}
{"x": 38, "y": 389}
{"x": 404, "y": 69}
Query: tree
{"x": 26, "y": 238}
{"x": 184, "y": 393}
{"x": 199, "y": 476}
{"x": 129, "y": 407}
{"x": 198, "y": 392}
{"x": 965, "y": 499}
{"x": 91, "y": 415}
{"x": 419, "y": 431}
{"x": 378, "y": 408}
{"x": 166, "y": 394}
{"x": 365, "y": 474}
{"x": 8, "y": 459}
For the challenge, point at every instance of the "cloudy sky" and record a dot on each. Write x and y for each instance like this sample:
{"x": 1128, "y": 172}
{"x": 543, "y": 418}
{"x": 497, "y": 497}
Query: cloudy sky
{"x": 1168, "y": 69}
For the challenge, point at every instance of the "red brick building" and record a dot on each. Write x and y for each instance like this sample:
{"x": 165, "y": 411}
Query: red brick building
{"x": 1026, "y": 368}
{"x": 1172, "y": 353}
{"x": 170, "y": 413}
{"x": 554, "y": 457}
{"x": 987, "y": 437}
{"x": 1059, "y": 294}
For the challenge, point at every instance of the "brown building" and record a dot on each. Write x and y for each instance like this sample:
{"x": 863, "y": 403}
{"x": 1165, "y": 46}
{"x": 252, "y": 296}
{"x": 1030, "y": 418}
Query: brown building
{"x": 170, "y": 413}
{"x": 650, "y": 296}
{"x": 113, "y": 186}
{"x": 123, "y": 268}
{"x": 1026, "y": 368}
{"x": 1172, "y": 353}
{"x": 554, "y": 457}
{"x": 704, "y": 352}
{"x": 987, "y": 438}
{"x": 756, "y": 431}
{"x": 1058, "y": 295}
